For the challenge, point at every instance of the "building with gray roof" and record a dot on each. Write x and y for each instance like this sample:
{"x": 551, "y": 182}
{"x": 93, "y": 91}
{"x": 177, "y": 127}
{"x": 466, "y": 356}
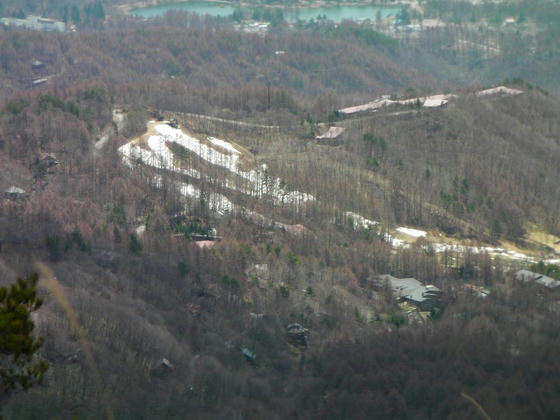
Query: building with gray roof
{"x": 425, "y": 297}
{"x": 526, "y": 276}
{"x": 15, "y": 193}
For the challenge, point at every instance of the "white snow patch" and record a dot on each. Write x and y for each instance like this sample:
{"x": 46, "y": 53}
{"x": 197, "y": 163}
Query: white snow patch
{"x": 223, "y": 144}
{"x": 435, "y": 101}
{"x": 140, "y": 230}
{"x": 259, "y": 183}
{"x": 427, "y": 101}
{"x": 499, "y": 89}
{"x": 412, "y": 232}
{"x": 205, "y": 244}
{"x": 331, "y": 133}
{"x": 432, "y": 101}
{"x": 514, "y": 255}
{"x": 370, "y": 106}
{"x": 360, "y": 221}
{"x": 118, "y": 118}
{"x": 157, "y": 156}
{"x": 101, "y": 142}
{"x": 517, "y": 255}
{"x": 156, "y": 153}
{"x": 395, "y": 242}
{"x": 440, "y": 247}
{"x": 218, "y": 203}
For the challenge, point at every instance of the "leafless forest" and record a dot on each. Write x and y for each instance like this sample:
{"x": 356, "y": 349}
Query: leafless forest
{"x": 183, "y": 310}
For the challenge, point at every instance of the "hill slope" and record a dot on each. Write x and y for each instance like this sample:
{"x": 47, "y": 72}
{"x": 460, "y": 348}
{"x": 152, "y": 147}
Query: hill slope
{"x": 301, "y": 241}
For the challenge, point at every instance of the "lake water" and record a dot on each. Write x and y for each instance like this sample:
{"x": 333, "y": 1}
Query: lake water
{"x": 340, "y": 13}
{"x": 334, "y": 13}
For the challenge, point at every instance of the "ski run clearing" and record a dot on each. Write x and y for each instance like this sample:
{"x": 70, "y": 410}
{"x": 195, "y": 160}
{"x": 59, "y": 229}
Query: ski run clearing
{"x": 156, "y": 152}
{"x": 499, "y": 89}
{"x": 155, "y": 149}
{"x": 433, "y": 101}
{"x": 426, "y": 101}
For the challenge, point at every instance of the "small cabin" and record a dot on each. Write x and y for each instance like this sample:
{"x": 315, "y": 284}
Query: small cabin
{"x": 47, "y": 159}
{"x": 37, "y": 65}
{"x": 529, "y": 276}
{"x": 297, "y": 334}
{"x": 15, "y": 193}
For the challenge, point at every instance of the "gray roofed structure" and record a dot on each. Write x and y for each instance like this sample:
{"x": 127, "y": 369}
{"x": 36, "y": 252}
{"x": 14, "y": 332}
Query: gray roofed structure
{"x": 15, "y": 193}
{"x": 526, "y": 276}
{"x": 37, "y": 64}
{"x": 410, "y": 289}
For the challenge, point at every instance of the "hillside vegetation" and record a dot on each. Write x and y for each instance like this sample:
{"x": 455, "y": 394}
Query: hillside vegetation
{"x": 144, "y": 297}
{"x": 203, "y": 255}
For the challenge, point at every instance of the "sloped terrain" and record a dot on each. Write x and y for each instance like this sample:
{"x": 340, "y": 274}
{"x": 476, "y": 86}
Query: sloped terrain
{"x": 188, "y": 248}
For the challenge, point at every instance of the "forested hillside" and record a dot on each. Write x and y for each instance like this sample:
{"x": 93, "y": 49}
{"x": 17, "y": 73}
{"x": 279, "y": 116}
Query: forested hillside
{"x": 208, "y": 54}
{"x": 208, "y": 248}
{"x": 146, "y": 296}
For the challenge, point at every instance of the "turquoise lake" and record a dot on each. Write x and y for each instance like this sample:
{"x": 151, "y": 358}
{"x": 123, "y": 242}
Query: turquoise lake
{"x": 334, "y": 13}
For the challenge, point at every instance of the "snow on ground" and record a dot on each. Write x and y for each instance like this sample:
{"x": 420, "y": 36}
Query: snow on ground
{"x": 205, "y": 244}
{"x": 412, "y": 232}
{"x": 432, "y": 101}
{"x": 101, "y": 142}
{"x": 435, "y": 101}
{"x": 499, "y": 89}
{"x": 514, "y": 255}
{"x": 118, "y": 119}
{"x": 158, "y": 155}
{"x": 223, "y": 144}
{"x": 370, "y": 106}
{"x": 395, "y": 242}
{"x": 218, "y": 203}
{"x": 441, "y": 247}
{"x": 359, "y": 221}
{"x": 331, "y": 133}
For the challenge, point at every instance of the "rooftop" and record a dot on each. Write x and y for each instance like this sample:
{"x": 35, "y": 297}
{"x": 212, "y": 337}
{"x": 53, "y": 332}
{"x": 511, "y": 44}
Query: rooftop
{"x": 14, "y": 190}
{"x": 526, "y": 276}
{"x": 411, "y": 289}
